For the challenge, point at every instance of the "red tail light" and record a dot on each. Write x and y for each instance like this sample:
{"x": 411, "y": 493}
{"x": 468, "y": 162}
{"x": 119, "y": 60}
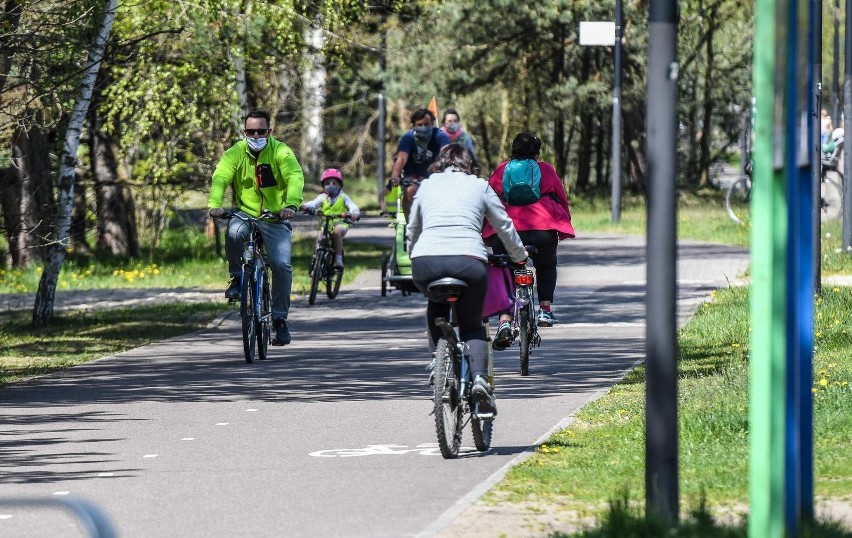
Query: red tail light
{"x": 523, "y": 279}
{"x": 452, "y": 299}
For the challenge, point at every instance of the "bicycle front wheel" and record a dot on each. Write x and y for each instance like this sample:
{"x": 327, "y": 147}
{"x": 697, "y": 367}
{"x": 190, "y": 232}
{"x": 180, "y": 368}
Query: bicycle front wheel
{"x": 483, "y": 430}
{"x": 830, "y": 199}
{"x": 525, "y": 325}
{"x": 448, "y": 401}
{"x": 265, "y": 319}
{"x": 316, "y": 277}
{"x": 247, "y": 314}
{"x": 737, "y": 200}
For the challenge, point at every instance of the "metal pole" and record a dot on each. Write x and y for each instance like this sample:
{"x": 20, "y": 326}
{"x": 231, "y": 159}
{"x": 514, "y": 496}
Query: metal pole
{"x": 661, "y": 432}
{"x": 616, "y": 115}
{"x": 835, "y": 113}
{"x": 380, "y": 166}
{"x": 847, "y": 112}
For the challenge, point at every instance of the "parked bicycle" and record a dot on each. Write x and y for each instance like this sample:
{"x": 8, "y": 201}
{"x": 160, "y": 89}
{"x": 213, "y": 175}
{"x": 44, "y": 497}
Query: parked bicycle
{"x": 738, "y": 197}
{"x": 255, "y": 296}
{"x": 524, "y": 325}
{"x": 453, "y": 379}
{"x": 322, "y": 267}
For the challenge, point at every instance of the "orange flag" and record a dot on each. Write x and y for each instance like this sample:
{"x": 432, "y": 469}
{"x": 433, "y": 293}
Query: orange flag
{"x": 433, "y": 107}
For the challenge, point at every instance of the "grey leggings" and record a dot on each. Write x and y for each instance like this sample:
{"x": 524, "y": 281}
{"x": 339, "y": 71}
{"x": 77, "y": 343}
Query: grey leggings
{"x": 426, "y": 269}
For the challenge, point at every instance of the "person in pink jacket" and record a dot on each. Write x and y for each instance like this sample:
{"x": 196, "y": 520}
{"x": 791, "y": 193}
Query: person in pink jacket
{"x": 542, "y": 224}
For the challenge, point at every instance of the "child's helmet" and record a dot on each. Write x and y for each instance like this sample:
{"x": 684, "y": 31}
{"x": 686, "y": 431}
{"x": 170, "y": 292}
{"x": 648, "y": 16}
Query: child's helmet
{"x": 332, "y": 173}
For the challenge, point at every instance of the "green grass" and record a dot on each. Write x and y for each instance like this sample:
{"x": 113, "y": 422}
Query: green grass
{"x": 76, "y": 338}
{"x": 185, "y": 258}
{"x": 603, "y": 450}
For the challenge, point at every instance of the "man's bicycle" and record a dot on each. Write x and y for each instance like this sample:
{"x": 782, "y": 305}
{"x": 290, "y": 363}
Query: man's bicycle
{"x": 322, "y": 267}
{"x": 524, "y": 325}
{"x": 738, "y": 197}
{"x": 453, "y": 379}
{"x": 255, "y": 294}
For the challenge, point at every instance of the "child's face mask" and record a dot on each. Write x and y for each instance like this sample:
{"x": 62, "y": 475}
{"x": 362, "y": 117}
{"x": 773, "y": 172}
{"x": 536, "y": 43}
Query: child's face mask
{"x": 331, "y": 188}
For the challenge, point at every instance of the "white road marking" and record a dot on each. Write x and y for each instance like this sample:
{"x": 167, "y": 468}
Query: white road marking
{"x": 149, "y": 456}
{"x": 424, "y": 449}
{"x": 61, "y": 492}
{"x": 221, "y": 423}
{"x": 250, "y": 410}
{"x": 106, "y": 474}
{"x": 188, "y": 439}
{"x": 5, "y": 516}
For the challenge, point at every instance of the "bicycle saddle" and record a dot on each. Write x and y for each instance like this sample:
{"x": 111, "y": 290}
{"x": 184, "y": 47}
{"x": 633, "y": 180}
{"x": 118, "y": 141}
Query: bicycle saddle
{"x": 446, "y": 289}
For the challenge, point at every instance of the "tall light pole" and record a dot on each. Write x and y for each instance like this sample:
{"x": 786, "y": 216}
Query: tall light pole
{"x": 616, "y": 114}
{"x": 835, "y": 114}
{"x": 661, "y": 431}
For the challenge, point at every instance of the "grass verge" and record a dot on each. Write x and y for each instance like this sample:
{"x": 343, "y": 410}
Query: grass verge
{"x": 75, "y": 338}
{"x": 603, "y": 450}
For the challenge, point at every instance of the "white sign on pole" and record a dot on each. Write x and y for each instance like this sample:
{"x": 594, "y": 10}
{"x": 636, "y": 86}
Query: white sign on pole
{"x": 597, "y": 33}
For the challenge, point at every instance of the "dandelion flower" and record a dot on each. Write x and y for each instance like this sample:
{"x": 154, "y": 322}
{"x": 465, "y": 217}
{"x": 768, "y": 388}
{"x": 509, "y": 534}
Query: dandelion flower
{"x": 823, "y": 382}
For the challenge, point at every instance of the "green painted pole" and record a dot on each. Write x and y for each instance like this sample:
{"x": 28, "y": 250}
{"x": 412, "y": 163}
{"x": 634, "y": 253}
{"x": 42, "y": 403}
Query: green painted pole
{"x": 768, "y": 260}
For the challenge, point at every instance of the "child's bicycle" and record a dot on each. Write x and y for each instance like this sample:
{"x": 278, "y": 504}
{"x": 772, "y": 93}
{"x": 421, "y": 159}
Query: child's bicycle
{"x": 322, "y": 263}
{"x": 524, "y": 324}
{"x": 396, "y": 265}
{"x": 453, "y": 379}
{"x": 255, "y": 295}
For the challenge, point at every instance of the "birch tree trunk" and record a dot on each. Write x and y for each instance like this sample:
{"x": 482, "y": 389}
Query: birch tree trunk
{"x": 43, "y": 308}
{"x": 314, "y": 98}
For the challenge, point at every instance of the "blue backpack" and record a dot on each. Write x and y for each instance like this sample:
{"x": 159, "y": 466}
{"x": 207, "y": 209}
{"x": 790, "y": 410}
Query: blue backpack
{"x": 521, "y": 182}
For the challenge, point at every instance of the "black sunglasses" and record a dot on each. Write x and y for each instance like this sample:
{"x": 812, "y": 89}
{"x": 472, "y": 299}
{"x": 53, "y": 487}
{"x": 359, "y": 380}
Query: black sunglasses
{"x": 252, "y": 132}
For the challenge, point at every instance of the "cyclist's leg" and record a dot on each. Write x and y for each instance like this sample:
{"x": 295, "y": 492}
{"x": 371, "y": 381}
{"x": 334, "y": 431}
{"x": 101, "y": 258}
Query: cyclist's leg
{"x": 278, "y": 239}
{"x": 337, "y": 236}
{"x": 235, "y": 239}
{"x": 424, "y": 270}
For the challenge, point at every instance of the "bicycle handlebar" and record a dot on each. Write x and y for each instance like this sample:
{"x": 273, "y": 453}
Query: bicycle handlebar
{"x": 264, "y": 215}
{"x": 498, "y": 259}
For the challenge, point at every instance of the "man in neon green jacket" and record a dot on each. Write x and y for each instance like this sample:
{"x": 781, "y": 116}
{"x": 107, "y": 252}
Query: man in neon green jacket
{"x": 265, "y": 174}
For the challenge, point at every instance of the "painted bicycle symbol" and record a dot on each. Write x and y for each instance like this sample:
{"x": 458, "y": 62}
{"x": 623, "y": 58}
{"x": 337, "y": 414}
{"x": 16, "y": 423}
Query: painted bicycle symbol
{"x": 425, "y": 449}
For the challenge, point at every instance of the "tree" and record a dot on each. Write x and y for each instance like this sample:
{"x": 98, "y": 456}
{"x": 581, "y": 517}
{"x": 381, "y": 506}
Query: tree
{"x": 43, "y": 308}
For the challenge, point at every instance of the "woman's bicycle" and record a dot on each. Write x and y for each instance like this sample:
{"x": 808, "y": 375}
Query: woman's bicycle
{"x": 255, "y": 295}
{"x": 738, "y": 197}
{"x": 322, "y": 263}
{"x": 524, "y": 324}
{"x": 453, "y": 379}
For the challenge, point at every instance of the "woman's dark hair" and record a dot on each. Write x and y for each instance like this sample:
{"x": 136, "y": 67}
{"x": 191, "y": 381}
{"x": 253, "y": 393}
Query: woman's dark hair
{"x": 526, "y": 146}
{"x": 453, "y": 156}
{"x": 421, "y": 113}
{"x": 448, "y": 112}
{"x": 257, "y": 113}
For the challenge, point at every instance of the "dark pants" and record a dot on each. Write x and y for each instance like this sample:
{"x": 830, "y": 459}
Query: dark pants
{"x": 425, "y": 269}
{"x": 545, "y": 260}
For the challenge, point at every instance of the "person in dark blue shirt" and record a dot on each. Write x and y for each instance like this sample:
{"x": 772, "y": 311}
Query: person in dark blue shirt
{"x": 416, "y": 151}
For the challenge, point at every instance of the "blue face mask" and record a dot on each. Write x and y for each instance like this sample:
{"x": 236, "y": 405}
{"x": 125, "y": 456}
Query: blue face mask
{"x": 453, "y": 127}
{"x": 256, "y": 144}
{"x": 332, "y": 190}
{"x": 423, "y": 133}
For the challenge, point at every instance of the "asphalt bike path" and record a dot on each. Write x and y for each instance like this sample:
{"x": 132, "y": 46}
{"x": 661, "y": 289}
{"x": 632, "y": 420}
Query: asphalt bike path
{"x": 332, "y": 435}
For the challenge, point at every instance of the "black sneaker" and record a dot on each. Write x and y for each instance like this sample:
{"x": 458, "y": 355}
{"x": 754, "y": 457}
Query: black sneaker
{"x": 503, "y": 338}
{"x": 282, "y": 333}
{"x": 482, "y": 395}
{"x": 233, "y": 291}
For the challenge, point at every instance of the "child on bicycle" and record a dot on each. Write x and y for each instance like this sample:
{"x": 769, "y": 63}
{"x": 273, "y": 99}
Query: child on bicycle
{"x": 333, "y": 201}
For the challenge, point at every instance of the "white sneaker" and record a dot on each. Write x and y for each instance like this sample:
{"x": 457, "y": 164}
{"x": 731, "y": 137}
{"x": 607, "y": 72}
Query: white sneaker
{"x": 338, "y": 261}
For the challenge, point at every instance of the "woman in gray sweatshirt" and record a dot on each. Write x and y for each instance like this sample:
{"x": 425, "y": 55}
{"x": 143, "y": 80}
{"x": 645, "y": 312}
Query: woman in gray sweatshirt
{"x": 445, "y": 238}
